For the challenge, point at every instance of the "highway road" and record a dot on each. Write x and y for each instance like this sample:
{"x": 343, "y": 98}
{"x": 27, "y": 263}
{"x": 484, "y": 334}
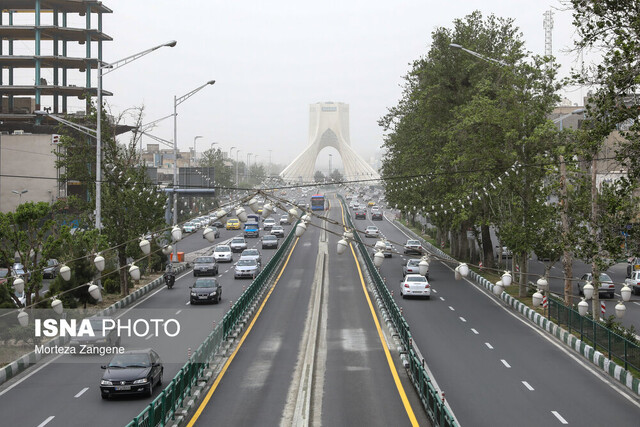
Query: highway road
{"x": 495, "y": 368}
{"x": 314, "y": 354}
{"x": 64, "y": 390}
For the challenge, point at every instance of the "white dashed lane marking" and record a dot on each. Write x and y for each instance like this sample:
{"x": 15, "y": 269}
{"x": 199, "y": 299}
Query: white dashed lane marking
{"x": 504, "y": 362}
{"x": 45, "y": 422}
{"x": 451, "y": 308}
{"x": 441, "y": 299}
{"x": 463, "y": 319}
{"x": 490, "y": 347}
{"x": 178, "y": 312}
{"x": 474, "y": 331}
{"x": 559, "y": 417}
{"x": 527, "y": 385}
{"x": 81, "y": 392}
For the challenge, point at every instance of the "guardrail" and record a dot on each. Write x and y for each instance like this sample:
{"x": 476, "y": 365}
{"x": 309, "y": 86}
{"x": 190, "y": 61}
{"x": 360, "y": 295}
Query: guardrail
{"x": 163, "y": 408}
{"x": 602, "y": 338}
{"x": 429, "y": 396}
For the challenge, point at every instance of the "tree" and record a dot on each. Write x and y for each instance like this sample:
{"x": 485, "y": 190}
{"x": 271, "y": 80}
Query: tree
{"x": 318, "y": 176}
{"x": 131, "y": 205}
{"x": 336, "y": 176}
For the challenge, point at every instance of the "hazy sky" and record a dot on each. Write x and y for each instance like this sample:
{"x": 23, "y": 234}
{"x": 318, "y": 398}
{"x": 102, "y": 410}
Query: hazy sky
{"x": 272, "y": 59}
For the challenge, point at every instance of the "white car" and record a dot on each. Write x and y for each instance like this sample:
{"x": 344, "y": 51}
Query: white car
{"x": 284, "y": 219}
{"x": 222, "y": 253}
{"x": 415, "y": 285}
{"x": 371, "y": 231}
{"x": 238, "y": 244}
{"x": 268, "y": 223}
{"x": 634, "y": 282}
{"x": 189, "y": 227}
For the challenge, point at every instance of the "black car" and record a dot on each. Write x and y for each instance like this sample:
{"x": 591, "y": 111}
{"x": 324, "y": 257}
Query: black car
{"x": 206, "y": 290}
{"x": 205, "y": 266}
{"x": 376, "y": 216}
{"x": 360, "y": 214}
{"x": 218, "y": 225}
{"x": 132, "y": 372}
{"x": 51, "y": 270}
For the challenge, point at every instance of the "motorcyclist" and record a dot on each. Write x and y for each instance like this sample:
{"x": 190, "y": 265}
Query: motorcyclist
{"x": 169, "y": 275}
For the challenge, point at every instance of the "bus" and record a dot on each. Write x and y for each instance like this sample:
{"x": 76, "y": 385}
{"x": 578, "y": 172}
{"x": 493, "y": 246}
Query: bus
{"x": 317, "y": 202}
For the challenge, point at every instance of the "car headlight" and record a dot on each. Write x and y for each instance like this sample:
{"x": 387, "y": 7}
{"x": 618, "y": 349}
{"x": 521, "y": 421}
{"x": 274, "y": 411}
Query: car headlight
{"x": 105, "y": 382}
{"x": 140, "y": 381}
{"x": 212, "y": 294}
{"x": 193, "y": 293}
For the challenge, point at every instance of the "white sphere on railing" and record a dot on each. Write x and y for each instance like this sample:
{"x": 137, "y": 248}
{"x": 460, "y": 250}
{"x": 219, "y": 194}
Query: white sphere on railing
{"x": 626, "y": 293}
{"x": 587, "y": 290}
{"x": 267, "y": 209}
{"x": 423, "y": 266}
{"x": 18, "y": 285}
{"x": 542, "y": 284}
{"x": 176, "y": 233}
{"x": 456, "y": 273}
{"x": 56, "y": 304}
{"x": 208, "y": 234}
{"x": 300, "y": 229}
{"x": 537, "y": 298}
{"x": 145, "y": 246}
{"x": 167, "y": 249}
{"x": 220, "y": 214}
{"x": 464, "y": 269}
{"x": 583, "y": 306}
{"x": 348, "y": 235}
{"x": 293, "y": 213}
{"x": 98, "y": 261}
{"x": 23, "y": 318}
{"x": 241, "y": 214}
{"x": 620, "y": 310}
{"x": 94, "y": 291}
{"x": 380, "y": 245}
{"x": 65, "y": 273}
{"x": 342, "y": 246}
{"x": 498, "y": 288}
{"x": 134, "y": 271}
{"x": 506, "y": 279}
{"x": 378, "y": 258}
{"x": 253, "y": 205}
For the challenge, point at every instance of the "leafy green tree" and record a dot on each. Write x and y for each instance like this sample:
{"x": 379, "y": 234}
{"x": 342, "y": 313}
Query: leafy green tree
{"x": 336, "y": 176}
{"x": 318, "y": 176}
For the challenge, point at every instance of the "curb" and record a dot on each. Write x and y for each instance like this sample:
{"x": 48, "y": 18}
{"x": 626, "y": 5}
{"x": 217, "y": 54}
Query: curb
{"x": 608, "y": 366}
{"x": 30, "y": 359}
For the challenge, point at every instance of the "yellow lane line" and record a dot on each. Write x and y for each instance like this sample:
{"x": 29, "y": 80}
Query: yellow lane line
{"x": 233, "y": 355}
{"x": 392, "y": 366}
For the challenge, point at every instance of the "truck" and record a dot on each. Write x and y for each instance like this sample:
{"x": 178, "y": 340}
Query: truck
{"x": 251, "y": 229}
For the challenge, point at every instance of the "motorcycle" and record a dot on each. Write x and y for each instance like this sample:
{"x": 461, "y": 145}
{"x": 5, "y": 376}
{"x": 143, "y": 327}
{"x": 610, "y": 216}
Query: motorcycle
{"x": 169, "y": 279}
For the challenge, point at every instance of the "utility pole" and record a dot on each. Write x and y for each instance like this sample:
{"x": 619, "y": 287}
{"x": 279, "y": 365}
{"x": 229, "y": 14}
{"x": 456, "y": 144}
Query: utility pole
{"x": 567, "y": 257}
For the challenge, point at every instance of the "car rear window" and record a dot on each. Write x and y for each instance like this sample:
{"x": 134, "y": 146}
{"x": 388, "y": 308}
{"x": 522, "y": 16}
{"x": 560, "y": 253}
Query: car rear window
{"x": 416, "y": 279}
{"x": 204, "y": 259}
{"x": 205, "y": 283}
{"x": 223, "y": 249}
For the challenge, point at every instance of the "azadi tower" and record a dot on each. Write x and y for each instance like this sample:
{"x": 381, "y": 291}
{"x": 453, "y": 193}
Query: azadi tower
{"x": 328, "y": 127}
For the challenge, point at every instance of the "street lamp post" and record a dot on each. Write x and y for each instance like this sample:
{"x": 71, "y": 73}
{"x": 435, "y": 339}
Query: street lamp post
{"x": 177, "y": 101}
{"x": 20, "y": 193}
{"x": 246, "y": 166}
{"x": 237, "y": 151}
{"x": 111, "y": 67}
{"x": 195, "y": 138}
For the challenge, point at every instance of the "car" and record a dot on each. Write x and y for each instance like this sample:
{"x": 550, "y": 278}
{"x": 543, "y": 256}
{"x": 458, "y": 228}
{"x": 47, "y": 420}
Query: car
{"x": 222, "y": 253}
{"x": 361, "y": 214}
{"x": 412, "y": 266}
{"x": 205, "y": 266}
{"x": 277, "y": 230}
{"x": 387, "y": 251}
{"x": 284, "y": 219}
{"x": 246, "y": 268}
{"x": 238, "y": 244}
{"x": 216, "y": 232}
{"x": 606, "y": 284}
{"x": 505, "y": 252}
{"x": 4, "y": 274}
{"x": 376, "y": 214}
{"x": 372, "y": 231}
{"x": 17, "y": 269}
{"x": 370, "y": 203}
{"x": 268, "y": 223}
{"x": 252, "y": 229}
{"x": 102, "y": 337}
{"x": 269, "y": 241}
{"x": 251, "y": 254}
{"x": 217, "y": 224}
{"x": 415, "y": 285}
{"x": 233, "y": 224}
{"x": 253, "y": 218}
{"x": 413, "y": 247}
{"x": 51, "y": 270}
{"x": 205, "y": 290}
{"x": 634, "y": 282}
{"x": 132, "y": 372}
{"x": 189, "y": 227}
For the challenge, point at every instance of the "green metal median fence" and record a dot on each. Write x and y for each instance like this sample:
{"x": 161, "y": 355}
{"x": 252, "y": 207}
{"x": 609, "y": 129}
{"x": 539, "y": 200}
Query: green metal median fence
{"x": 163, "y": 408}
{"x": 432, "y": 401}
{"x": 614, "y": 346}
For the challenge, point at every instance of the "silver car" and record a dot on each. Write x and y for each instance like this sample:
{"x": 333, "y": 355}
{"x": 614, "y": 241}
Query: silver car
{"x": 246, "y": 268}
{"x": 222, "y": 253}
{"x": 277, "y": 230}
{"x": 412, "y": 267}
{"x": 238, "y": 244}
{"x": 251, "y": 254}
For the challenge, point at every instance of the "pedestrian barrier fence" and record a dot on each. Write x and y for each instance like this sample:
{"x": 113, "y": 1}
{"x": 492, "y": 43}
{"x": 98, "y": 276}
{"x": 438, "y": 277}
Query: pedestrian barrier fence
{"x": 163, "y": 408}
{"x": 434, "y": 404}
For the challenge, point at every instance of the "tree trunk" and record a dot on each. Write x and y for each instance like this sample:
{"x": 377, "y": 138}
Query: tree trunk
{"x": 523, "y": 275}
{"x": 124, "y": 283}
{"x": 464, "y": 242}
{"x": 567, "y": 257}
{"x": 487, "y": 247}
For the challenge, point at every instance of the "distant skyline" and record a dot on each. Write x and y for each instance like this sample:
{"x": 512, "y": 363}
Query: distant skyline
{"x": 271, "y": 60}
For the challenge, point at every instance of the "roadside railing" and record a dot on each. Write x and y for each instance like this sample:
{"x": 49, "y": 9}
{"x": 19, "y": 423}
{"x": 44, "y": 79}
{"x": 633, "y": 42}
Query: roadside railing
{"x": 601, "y": 337}
{"x": 432, "y": 401}
{"x": 163, "y": 408}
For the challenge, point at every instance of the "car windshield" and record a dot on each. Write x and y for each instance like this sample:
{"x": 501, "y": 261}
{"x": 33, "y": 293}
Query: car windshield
{"x": 204, "y": 260}
{"x": 247, "y": 262}
{"x": 605, "y": 278}
{"x": 251, "y": 252}
{"x": 269, "y": 238}
{"x": 370, "y": 228}
{"x": 130, "y": 360}
{"x": 205, "y": 283}
{"x": 222, "y": 249}
{"x": 269, "y": 220}
{"x": 278, "y": 227}
{"x": 52, "y": 263}
{"x": 413, "y": 262}
{"x": 416, "y": 279}
{"x": 413, "y": 242}
{"x": 238, "y": 240}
